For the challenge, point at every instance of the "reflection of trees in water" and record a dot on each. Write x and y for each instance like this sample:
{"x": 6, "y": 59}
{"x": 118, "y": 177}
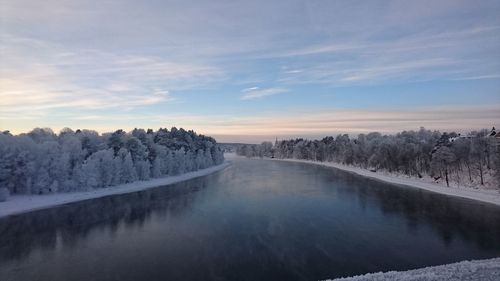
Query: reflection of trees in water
{"x": 449, "y": 216}
{"x": 21, "y": 234}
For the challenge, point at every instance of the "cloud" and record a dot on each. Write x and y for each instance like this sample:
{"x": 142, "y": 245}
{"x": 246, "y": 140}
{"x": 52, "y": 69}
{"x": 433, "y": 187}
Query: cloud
{"x": 482, "y": 77}
{"x": 39, "y": 75}
{"x": 392, "y": 70}
{"x": 249, "y": 89}
{"x": 419, "y": 56}
{"x": 88, "y": 58}
{"x": 328, "y": 41}
{"x": 294, "y": 71}
{"x": 257, "y": 94}
{"x": 293, "y": 123}
{"x": 312, "y": 124}
{"x": 322, "y": 49}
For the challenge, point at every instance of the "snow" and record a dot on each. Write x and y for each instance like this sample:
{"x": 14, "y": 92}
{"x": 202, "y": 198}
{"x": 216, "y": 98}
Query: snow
{"x": 17, "y": 204}
{"x": 485, "y": 270}
{"x": 483, "y": 195}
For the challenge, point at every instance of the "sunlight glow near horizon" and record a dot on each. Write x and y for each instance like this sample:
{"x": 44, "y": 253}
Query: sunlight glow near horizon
{"x": 250, "y": 70}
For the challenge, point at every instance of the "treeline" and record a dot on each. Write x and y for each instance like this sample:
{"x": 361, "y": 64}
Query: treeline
{"x": 469, "y": 160}
{"x": 42, "y": 162}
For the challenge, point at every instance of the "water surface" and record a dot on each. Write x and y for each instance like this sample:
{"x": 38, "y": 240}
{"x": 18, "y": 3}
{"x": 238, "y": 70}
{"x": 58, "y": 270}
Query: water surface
{"x": 256, "y": 220}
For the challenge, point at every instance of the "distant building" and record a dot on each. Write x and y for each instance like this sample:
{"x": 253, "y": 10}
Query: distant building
{"x": 494, "y": 137}
{"x": 460, "y": 137}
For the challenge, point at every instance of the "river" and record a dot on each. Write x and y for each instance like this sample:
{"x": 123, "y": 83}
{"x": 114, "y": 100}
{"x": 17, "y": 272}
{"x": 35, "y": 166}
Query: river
{"x": 255, "y": 220}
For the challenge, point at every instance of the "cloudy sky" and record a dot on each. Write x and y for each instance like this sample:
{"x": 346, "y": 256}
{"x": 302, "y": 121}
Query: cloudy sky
{"x": 250, "y": 70}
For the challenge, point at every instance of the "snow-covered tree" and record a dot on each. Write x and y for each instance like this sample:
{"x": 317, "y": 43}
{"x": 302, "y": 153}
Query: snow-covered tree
{"x": 43, "y": 162}
{"x": 442, "y": 159}
{"x": 452, "y": 157}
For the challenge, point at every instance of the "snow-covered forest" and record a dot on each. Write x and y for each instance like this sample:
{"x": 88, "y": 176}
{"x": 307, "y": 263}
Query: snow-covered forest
{"x": 41, "y": 161}
{"x": 471, "y": 159}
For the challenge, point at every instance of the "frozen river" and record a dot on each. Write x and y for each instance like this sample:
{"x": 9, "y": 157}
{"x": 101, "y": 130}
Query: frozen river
{"x": 256, "y": 220}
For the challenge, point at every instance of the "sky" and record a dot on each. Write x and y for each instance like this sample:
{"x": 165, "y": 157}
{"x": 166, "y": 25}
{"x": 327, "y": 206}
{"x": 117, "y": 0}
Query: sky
{"x": 248, "y": 71}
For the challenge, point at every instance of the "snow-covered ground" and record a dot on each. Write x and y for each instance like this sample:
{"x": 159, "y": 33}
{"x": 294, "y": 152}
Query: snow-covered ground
{"x": 17, "y": 204}
{"x": 477, "y": 270}
{"x": 485, "y": 195}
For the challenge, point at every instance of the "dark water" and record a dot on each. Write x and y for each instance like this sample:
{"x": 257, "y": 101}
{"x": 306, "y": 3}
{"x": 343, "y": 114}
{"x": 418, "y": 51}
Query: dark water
{"x": 257, "y": 220}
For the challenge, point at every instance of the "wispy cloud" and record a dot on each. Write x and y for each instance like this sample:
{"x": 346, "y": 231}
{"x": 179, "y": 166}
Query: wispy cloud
{"x": 437, "y": 55}
{"x": 249, "y": 89}
{"x": 393, "y": 69}
{"x": 39, "y": 75}
{"x": 257, "y": 94}
{"x": 294, "y": 71}
{"x": 317, "y": 124}
{"x": 322, "y": 49}
{"x": 482, "y": 77}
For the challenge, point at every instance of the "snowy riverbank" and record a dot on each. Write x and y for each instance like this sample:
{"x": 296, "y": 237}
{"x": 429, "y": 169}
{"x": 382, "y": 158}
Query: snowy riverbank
{"x": 17, "y": 204}
{"x": 485, "y": 270}
{"x": 483, "y": 195}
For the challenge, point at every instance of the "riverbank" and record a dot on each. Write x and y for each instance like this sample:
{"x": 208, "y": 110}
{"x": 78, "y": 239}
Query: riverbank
{"x": 18, "y": 204}
{"x": 485, "y": 270}
{"x": 483, "y": 195}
